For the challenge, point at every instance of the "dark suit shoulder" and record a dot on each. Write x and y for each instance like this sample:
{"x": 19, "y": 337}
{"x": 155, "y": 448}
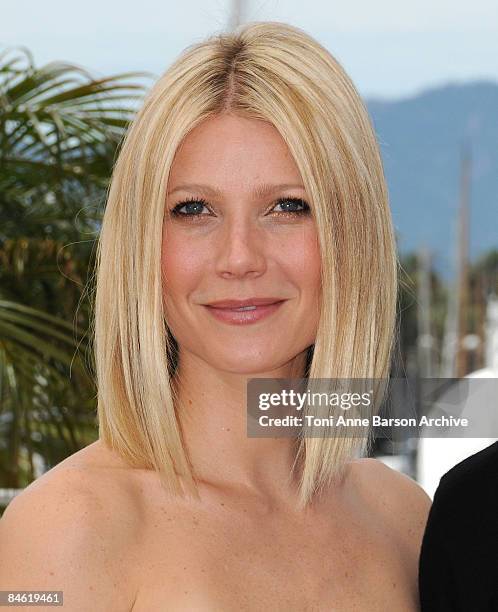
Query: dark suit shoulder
{"x": 483, "y": 464}
{"x": 457, "y": 565}
{"x": 472, "y": 483}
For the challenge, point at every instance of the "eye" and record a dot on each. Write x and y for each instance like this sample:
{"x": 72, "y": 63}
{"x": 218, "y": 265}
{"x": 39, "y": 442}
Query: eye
{"x": 192, "y": 207}
{"x": 292, "y": 206}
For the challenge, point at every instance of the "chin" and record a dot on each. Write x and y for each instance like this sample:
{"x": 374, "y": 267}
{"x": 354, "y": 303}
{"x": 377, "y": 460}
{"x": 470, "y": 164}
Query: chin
{"x": 247, "y": 364}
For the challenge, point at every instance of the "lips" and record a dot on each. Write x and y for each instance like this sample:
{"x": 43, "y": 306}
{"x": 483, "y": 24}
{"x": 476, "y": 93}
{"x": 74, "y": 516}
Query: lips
{"x": 244, "y": 312}
{"x": 233, "y": 304}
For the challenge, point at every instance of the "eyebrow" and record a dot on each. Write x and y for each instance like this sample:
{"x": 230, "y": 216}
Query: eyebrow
{"x": 259, "y": 191}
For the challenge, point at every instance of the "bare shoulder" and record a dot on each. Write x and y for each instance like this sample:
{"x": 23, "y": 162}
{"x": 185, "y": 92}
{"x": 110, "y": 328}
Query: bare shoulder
{"x": 72, "y": 529}
{"x": 393, "y": 496}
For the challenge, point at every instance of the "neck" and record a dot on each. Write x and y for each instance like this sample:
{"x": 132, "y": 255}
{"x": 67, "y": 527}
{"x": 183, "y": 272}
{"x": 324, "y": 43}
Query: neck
{"x": 212, "y": 410}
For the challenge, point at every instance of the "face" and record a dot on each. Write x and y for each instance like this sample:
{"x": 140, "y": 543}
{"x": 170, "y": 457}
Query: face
{"x": 238, "y": 226}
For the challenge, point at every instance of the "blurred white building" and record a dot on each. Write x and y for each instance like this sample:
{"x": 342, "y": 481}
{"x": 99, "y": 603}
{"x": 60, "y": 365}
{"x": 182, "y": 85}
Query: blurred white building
{"x": 437, "y": 455}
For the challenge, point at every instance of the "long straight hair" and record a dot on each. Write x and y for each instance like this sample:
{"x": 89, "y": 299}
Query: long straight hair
{"x": 274, "y": 72}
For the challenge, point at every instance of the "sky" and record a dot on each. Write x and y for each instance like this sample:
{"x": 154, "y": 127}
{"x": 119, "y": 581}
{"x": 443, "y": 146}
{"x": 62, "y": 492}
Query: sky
{"x": 392, "y": 49}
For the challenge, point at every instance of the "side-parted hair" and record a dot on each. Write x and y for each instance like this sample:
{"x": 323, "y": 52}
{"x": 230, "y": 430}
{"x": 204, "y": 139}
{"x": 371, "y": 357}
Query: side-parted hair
{"x": 277, "y": 73}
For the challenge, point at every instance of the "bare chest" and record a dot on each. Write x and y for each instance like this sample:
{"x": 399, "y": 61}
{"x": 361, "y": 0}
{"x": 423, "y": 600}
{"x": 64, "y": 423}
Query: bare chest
{"x": 192, "y": 561}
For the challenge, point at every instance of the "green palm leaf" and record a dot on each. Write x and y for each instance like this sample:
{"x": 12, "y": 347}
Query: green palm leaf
{"x": 60, "y": 130}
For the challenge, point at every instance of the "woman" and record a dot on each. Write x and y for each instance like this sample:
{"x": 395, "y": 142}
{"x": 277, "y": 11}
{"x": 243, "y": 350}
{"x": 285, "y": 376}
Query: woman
{"x": 250, "y": 178}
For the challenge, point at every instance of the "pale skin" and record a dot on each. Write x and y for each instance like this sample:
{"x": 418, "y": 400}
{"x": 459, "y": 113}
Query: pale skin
{"x": 112, "y": 539}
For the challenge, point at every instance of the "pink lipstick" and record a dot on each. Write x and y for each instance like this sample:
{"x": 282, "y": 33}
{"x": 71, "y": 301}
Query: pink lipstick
{"x": 243, "y": 312}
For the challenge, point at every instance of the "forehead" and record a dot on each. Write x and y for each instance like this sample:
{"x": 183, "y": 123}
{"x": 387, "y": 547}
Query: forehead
{"x": 230, "y": 149}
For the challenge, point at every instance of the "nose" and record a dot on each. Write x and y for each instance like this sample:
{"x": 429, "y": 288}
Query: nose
{"x": 241, "y": 250}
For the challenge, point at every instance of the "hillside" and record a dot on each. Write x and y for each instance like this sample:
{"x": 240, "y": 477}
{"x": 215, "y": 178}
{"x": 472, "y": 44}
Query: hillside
{"x": 421, "y": 141}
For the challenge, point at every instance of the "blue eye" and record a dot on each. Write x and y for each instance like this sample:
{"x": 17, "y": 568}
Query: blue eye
{"x": 192, "y": 205}
{"x": 291, "y": 207}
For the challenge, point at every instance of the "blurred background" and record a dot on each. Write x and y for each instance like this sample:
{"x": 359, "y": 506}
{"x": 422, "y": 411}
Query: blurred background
{"x": 69, "y": 85}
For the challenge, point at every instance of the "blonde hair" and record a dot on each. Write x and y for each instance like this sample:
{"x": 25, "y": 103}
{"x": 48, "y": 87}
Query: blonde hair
{"x": 274, "y": 72}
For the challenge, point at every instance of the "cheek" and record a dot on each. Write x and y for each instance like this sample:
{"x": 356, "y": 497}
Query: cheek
{"x": 301, "y": 258}
{"x": 181, "y": 263}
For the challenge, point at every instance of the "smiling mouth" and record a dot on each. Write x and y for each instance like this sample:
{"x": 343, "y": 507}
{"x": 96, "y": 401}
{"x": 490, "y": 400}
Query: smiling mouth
{"x": 242, "y": 303}
{"x": 246, "y": 314}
